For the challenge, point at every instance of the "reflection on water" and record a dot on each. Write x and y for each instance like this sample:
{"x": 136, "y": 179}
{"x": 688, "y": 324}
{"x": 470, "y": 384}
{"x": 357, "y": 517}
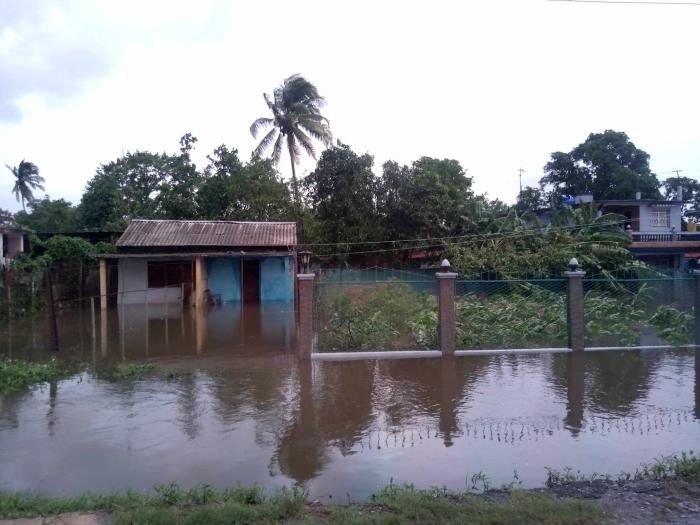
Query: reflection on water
{"x": 249, "y": 412}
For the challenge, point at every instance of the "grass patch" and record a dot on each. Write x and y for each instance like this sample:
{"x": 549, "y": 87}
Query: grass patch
{"x": 684, "y": 466}
{"x": 395, "y": 504}
{"x": 17, "y": 374}
{"x": 124, "y": 371}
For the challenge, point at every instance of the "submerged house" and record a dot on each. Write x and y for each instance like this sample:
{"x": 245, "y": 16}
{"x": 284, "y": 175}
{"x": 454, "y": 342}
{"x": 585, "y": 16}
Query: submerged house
{"x": 200, "y": 262}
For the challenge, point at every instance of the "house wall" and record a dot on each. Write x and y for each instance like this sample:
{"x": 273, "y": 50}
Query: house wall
{"x": 15, "y": 244}
{"x": 276, "y": 279}
{"x": 645, "y": 219}
{"x": 133, "y": 285}
{"x": 225, "y": 277}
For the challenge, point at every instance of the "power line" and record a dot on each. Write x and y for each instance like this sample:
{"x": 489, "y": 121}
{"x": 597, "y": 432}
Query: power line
{"x": 473, "y": 238}
{"x": 642, "y": 2}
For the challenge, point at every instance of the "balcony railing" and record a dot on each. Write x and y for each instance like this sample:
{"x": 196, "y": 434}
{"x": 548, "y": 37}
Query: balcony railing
{"x": 664, "y": 237}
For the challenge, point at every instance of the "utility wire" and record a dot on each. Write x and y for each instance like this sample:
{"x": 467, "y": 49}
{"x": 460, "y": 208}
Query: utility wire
{"x": 476, "y": 238}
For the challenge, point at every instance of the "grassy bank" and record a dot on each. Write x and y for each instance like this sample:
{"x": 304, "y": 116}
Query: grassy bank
{"x": 395, "y": 504}
{"x": 170, "y": 504}
{"x": 17, "y": 374}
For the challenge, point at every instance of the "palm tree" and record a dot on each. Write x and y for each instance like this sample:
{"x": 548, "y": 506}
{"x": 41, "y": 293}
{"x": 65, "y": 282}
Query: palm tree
{"x": 296, "y": 119}
{"x": 27, "y": 179}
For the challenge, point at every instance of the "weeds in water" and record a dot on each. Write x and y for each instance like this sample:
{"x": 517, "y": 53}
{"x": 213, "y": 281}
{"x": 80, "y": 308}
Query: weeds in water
{"x": 17, "y": 374}
{"x": 684, "y": 466}
{"x": 125, "y": 371}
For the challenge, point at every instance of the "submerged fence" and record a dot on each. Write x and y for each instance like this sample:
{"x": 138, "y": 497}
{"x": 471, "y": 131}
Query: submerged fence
{"x": 385, "y": 309}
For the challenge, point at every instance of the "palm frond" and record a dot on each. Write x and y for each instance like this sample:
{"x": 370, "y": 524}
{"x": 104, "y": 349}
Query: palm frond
{"x": 305, "y": 141}
{"x": 265, "y": 143}
{"x": 277, "y": 150}
{"x": 260, "y": 123}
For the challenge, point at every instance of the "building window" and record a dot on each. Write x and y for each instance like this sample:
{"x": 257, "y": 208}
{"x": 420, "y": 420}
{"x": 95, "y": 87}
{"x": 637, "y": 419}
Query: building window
{"x": 661, "y": 218}
{"x": 163, "y": 274}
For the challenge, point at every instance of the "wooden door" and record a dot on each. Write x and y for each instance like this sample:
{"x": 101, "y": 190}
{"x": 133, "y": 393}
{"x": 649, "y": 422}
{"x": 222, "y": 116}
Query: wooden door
{"x": 250, "y": 281}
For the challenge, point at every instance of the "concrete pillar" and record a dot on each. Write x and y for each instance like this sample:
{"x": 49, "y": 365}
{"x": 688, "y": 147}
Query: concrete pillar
{"x": 447, "y": 338}
{"x": 574, "y": 311}
{"x": 696, "y": 302}
{"x": 103, "y": 284}
{"x": 201, "y": 282}
{"x": 305, "y": 328}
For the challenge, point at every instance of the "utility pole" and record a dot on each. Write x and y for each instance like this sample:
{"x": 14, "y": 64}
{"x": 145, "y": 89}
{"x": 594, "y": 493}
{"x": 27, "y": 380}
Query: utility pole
{"x": 677, "y": 172}
{"x": 520, "y": 176}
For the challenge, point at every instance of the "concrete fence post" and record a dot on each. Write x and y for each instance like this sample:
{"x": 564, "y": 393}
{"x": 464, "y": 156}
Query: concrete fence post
{"x": 305, "y": 328}
{"x": 103, "y": 284}
{"x": 574, "y": 309}
{"x": 446, "y": 312}
{"x": 696, "y": 298}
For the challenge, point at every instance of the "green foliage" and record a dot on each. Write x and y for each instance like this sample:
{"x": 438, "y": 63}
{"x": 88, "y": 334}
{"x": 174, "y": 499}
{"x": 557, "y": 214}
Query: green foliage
{"x": 371, "y": 318}
{"x": 341, "y": 191}
{"x": 126, "y": 371}
{"x": 530, "y": 199}
{"x": 607, "y": 165}
{"x": 673, "y": 325}
{"x": 48, "y": 215}
{"x": 394, "y": 504}
{"x": 17, "y": 374}
{"x": 69, "y": 250}
{"x": 515, "y": 247}
{"x": 428, "y": 199}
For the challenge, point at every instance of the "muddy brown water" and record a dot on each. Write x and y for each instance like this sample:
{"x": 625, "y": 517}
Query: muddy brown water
{"x": 247, "y": 412}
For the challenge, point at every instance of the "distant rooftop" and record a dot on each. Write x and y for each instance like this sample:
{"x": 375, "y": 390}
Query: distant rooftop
{"x": 222, "y": 234}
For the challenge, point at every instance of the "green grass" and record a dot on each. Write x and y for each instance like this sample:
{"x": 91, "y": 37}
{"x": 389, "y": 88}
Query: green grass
{"x": 170, "y": 504}
{"x": 125, "y": 371}
{"x": 684, "y": 467}
{"x": 17, "y": 374}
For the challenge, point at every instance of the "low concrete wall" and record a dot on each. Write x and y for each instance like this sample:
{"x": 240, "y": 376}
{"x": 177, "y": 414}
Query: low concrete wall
{"x": 133, "y": 285}
{"x": 426, "y": 354}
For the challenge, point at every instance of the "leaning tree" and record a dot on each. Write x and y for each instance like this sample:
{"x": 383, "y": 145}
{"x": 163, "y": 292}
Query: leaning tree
{"x": 27, "y": 179}
{"x": 296, "y": 120}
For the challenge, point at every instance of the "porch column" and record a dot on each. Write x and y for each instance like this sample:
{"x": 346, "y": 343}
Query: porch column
{"x": 103, "y": 284}
{"x": 305, "y": 329}
{"x": 574, "y": 308}
{"x": 201, "y": 284}
{"x": 447, "y": 336}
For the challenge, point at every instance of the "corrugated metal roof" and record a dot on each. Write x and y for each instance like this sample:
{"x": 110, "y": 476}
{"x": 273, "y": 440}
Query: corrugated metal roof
{"x": 157, "y": 233}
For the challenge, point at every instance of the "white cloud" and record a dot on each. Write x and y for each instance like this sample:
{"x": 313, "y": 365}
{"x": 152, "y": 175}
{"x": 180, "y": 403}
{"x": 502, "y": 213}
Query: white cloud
{"x": 498, "y": 85}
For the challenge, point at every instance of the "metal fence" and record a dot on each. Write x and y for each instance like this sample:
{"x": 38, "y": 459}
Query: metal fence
{"x": 384, "y": 309}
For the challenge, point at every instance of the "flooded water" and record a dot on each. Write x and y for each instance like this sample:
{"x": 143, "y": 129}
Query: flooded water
{"x": 247, "y": 412}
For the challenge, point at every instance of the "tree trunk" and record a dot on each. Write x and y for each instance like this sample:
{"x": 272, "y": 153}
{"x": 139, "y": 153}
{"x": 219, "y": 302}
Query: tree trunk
{"x": 297, "y": 199}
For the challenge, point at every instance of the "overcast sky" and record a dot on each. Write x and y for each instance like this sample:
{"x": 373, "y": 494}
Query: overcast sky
{"x": 496, "y": 84}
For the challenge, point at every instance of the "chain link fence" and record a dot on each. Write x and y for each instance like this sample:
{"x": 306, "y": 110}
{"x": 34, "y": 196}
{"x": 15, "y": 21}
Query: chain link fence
{"x": 385, "y": 309}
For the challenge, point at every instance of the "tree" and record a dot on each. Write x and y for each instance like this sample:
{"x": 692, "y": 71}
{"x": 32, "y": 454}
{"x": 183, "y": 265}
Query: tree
{"x": 431, "y": 198}
{"x": 607, "y": 164}
{"x": 296, "y": 120}
{"x": 342, "y": 194}
{"x": 530, "y": 199}
{"x": 142, "y": 185}
{"x": 691, "y": 194}
{"x": 27, "y": 179}
{"x": 234, "y": 191}
{"x": 176, "y": 198}
{"x": 48, "y": 215}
